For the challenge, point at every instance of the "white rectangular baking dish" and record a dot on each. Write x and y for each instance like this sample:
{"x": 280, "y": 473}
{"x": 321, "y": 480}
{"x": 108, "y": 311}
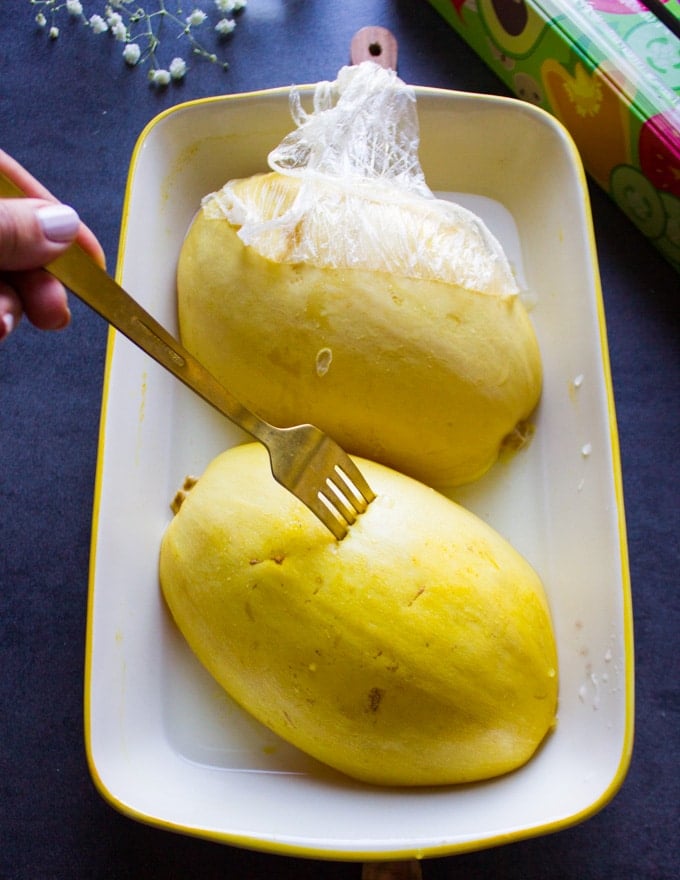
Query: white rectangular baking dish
{"x": 165, "y": 744}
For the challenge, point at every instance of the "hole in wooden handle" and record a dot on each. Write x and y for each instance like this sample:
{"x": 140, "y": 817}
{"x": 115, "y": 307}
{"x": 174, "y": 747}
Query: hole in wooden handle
{"x": 374, "y": 44}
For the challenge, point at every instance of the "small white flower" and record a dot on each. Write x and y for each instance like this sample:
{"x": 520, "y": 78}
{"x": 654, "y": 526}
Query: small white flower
{"x": 40, "y": 20}
{"x": 240, "y": 4}
{"x": 54, "y": 33}
{"x": 225, "y": 5}
{"x": 74, "y": 7}
{"x": 178, "y": 67}
{"x": 98, "y": 25}
{"x": 225, "y": 26}
{"x": 131, "y": 54}
{"x": 113, "y": 18}
{"x": 197, "y": 17}
{"x": 119, "y": 31}
{"x": 159, "y": 77}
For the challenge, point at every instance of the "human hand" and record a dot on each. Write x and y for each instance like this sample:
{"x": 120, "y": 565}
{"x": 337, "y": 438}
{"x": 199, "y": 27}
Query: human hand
{"x": 33, "y": 231}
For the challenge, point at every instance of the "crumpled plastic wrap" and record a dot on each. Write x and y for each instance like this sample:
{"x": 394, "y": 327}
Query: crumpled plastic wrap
{"x": 354, "y": 194}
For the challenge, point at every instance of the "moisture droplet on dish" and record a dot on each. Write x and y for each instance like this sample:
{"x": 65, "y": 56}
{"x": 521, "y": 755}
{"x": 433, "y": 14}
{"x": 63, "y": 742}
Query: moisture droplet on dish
{"x": 586, "y": 449}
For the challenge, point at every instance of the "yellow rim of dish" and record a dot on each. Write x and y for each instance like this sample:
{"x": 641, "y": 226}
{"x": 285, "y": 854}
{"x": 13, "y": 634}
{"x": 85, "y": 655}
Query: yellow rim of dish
{"x": 309, "y": 851}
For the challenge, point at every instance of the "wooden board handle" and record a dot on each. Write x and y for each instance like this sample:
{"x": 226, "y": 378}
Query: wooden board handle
{"x": 407, "y": 870}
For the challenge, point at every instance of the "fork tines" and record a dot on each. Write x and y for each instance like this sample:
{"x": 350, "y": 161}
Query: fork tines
{"x": 346, "y": 494}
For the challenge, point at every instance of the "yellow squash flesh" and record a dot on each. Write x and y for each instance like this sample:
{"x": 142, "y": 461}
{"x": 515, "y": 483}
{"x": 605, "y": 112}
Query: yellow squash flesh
{"x": 425, "y": 376}
{"x": 417, "y": 651}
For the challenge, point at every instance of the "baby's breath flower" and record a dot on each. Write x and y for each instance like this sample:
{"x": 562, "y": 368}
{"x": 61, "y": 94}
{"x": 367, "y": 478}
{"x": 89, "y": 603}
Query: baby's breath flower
{"x": 225, "y": 26}
{"x": 197, "y": 17}
{"x": 230, "y": 5}
{"x": 178, "y": 67}
{"x": 139, "y": 25}
{"x": 98, "y": 25}
{"x": 131, "y": 54}
{"x": 159, "y": 77}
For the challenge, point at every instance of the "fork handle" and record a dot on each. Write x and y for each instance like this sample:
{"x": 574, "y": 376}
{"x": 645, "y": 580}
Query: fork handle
{"x": 78, "y": 271}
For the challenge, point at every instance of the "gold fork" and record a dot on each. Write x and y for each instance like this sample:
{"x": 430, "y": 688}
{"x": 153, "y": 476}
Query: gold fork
{"x": 303, "y": 459}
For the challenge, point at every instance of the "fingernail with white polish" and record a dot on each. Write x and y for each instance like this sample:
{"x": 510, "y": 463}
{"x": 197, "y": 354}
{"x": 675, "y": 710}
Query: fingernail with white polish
{"x": 6, "y": 324}
{"x": 59, "y": 222}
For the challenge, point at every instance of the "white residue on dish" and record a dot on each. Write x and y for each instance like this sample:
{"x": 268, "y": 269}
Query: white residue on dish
{"x": 586, "y": 449}
{"x": 596, "y": 696}
{"x": 574, "y": 386}
{"x": 597, "y": 684}
{"x": 590, "y": 688}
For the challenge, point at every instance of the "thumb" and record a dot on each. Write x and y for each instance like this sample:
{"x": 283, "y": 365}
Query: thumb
{"x": 33, "y": 232}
